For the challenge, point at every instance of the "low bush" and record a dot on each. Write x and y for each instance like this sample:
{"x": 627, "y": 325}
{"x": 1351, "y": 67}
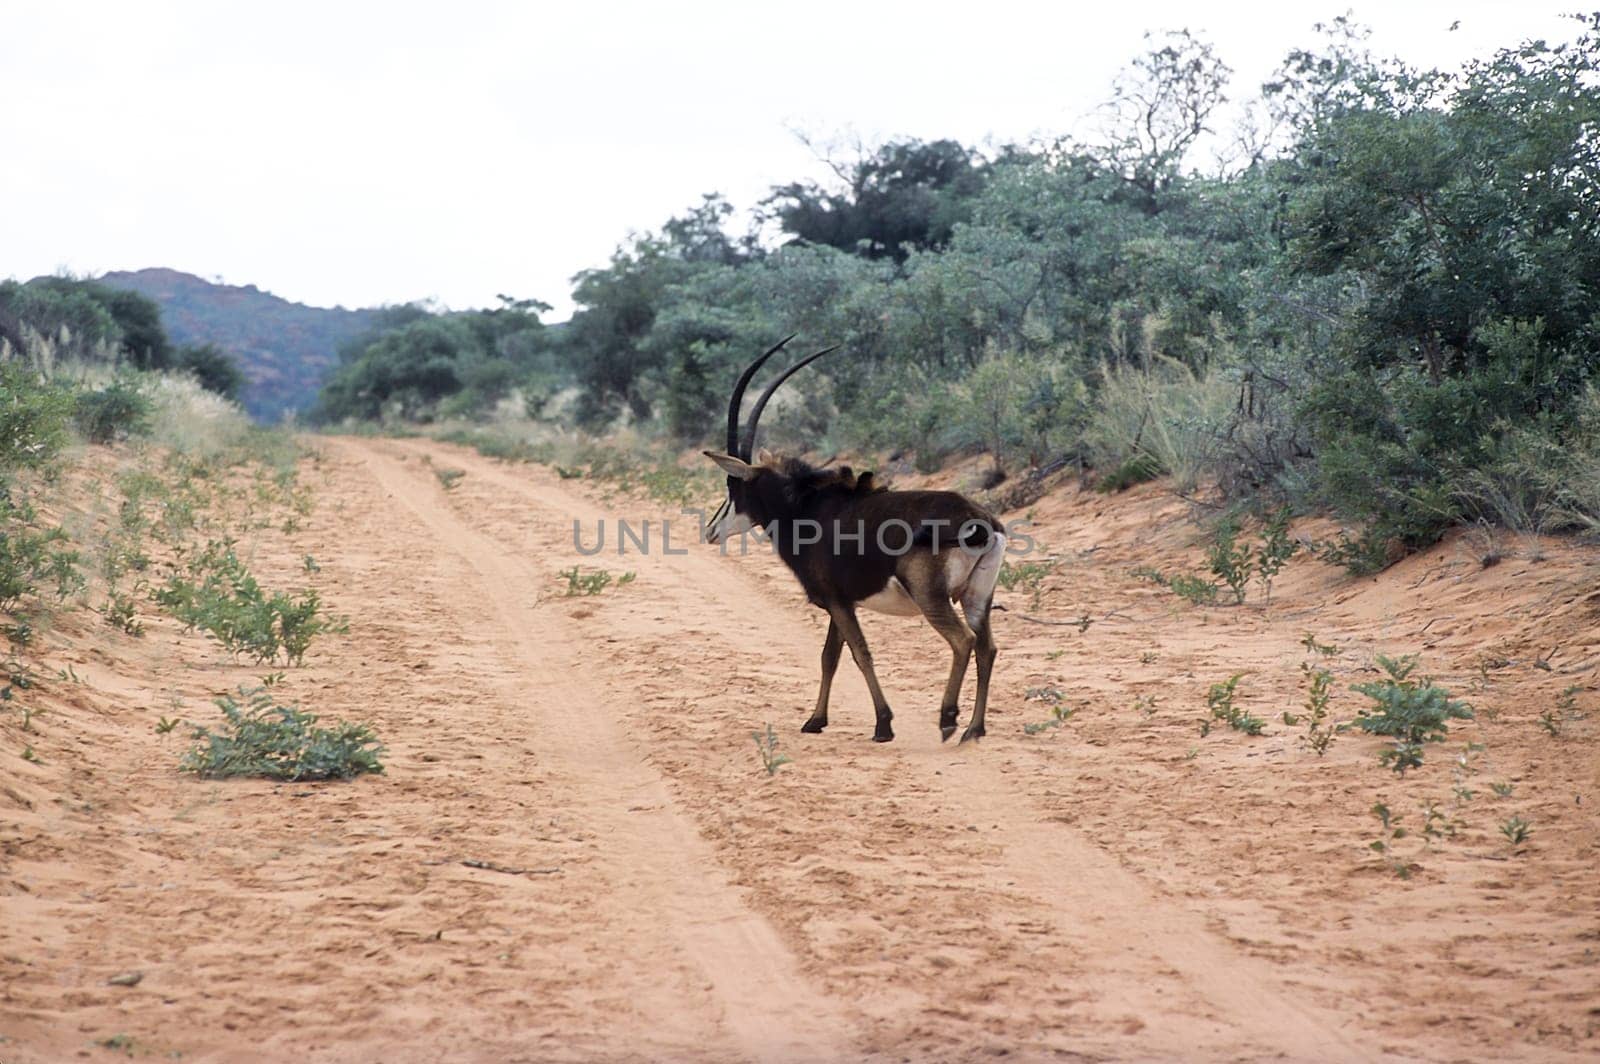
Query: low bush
{"x": 34, "y": 416}
{"x": 262, "y": 738}
{"x": 115, "y": 412}
{"x": 1413, "y": 712}
{"x": 217, "y": 594}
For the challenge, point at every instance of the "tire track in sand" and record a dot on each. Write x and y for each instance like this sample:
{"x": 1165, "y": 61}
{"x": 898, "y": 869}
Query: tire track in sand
{"x": 665, "y": 874}
{"x": 1140, "y": 953}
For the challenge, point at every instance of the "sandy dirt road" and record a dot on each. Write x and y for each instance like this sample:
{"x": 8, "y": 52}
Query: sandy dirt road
{"x": 574, "y": 854}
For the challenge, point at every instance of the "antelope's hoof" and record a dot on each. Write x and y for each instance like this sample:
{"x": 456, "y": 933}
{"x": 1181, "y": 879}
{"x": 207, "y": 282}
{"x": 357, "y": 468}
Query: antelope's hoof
{"x": 883, "y": 735}
{"x": 814, "y": 726}
{"x": 971, "y": 733}
{"x": 945, "y": 731}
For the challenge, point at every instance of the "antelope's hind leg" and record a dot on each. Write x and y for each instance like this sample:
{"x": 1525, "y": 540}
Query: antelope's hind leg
{"x": 830, "y": 664}
{"x": 944, "y": 619}
{"x": 978, "y": 607}
{"x": 986, "y": 653}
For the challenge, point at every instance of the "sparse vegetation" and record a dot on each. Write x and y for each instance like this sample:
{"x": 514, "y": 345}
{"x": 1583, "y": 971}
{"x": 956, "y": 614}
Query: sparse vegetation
{"x": 1392, "y": 833}
{"x": 592, "y": 583}
{"x": 1516, "y": 830}
{"x": 1220, "y": 701}
{"x": 1320, "y": 730}
{"x": 1060, "y": 711}
{"x": 767, "y": 750}
{"x": 262, "y": 738}
{"x": 216, "y": 593}
{"x": 1028, "y": 576}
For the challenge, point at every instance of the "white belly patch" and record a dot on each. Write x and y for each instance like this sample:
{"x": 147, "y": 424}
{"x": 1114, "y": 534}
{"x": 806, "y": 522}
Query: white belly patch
{"x": 893, "y": 599}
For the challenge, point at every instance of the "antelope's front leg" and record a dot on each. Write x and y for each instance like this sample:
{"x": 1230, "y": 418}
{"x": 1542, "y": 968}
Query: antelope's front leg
{"x": 850, "y": 628}
{"x": 830, "y": 663}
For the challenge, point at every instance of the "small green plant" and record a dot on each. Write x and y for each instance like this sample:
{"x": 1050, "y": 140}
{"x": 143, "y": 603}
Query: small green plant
{"x": 217, "y": 594}
{"x": 1060, "y": 713}
{"x": 31, "y": 556}
{"x": 29, "y": 756}
{"x": 1193, "y": 589}
{"x": 1027, "y": 575}
{"x": 1145, "y": 572}
{"x": 1326, "y": 650}
{"x": 1319, "y": 730}
{"x": 1229, "y": 560}
{"x": 1555, "y": 721}
{"x": 1413, "y": 712}
{"x": 166, "y": 724}
{"x": 122, "y": 1043}
{"x": 1516, "y": 830}
{"x": 310, "y": 565}
{"x": 121, "y": 614}
{"x": 1136, "y": 470}
{"x": 1362, "y": 556}
{"x": 449, "y": 477}
{"x": 262, "y": 738}
{"x": 1437, "y": 824}
{"x": 580, "y": 583}
{"x": 1384, "y": 846}
{"x": 1502, "y": 790}
{"x": 1275, "y": 549}
{"x": 1462, "y": 771}
{"x": 767, "y": 749}
{"x": 1145, "y": 705}
{"x": 1220, "y": 701}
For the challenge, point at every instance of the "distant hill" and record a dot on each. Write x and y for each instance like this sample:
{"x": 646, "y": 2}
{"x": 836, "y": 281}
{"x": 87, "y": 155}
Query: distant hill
{"x": 285, "y": 349}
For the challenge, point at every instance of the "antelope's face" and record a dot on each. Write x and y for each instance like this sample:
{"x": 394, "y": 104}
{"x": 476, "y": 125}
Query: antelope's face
{"x": 734, "y": 517}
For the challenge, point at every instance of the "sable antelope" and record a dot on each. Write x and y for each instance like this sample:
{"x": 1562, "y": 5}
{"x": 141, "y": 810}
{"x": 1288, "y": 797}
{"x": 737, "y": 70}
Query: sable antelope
{"x": 852, "y": 543}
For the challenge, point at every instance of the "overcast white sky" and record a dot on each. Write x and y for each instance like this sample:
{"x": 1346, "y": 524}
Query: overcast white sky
{"x": 356, "y": 154}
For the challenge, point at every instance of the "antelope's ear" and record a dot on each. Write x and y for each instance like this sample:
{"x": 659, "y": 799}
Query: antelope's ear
{"x": 731, "y": 465}
{"x": 767, "y": 458}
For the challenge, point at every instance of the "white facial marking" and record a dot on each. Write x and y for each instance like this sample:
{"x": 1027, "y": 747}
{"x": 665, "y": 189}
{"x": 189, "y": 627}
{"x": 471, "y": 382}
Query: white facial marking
{"x": 731, "y": 523}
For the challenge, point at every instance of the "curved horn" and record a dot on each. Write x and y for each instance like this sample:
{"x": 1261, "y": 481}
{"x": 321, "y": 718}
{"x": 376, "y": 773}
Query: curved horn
{"x": 761, "y": 401}
{"x": 738, "y": 393}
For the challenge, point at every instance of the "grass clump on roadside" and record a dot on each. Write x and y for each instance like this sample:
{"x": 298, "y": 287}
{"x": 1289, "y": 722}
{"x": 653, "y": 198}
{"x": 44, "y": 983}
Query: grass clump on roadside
{"x": 265, "y": 739}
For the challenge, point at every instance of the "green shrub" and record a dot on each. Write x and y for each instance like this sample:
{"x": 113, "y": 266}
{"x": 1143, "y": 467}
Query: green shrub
{"x": 1219, "y": 700}
{"x": 1136, "y": 470}
{"x": 114, "y": 412}
{"x": 31, "y": 555}
{"x": 1413, "y": 712}
{"x": 217, "y": 594}
{"x": 1229, "y": 560}
{"x": 34, "y": 414}
{"x": 262, "y": 738}
{"x": 1194, "y": 589}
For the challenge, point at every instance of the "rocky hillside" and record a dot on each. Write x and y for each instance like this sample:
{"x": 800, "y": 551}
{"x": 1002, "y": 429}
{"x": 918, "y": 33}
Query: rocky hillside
{"x": 285, "y": 349}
